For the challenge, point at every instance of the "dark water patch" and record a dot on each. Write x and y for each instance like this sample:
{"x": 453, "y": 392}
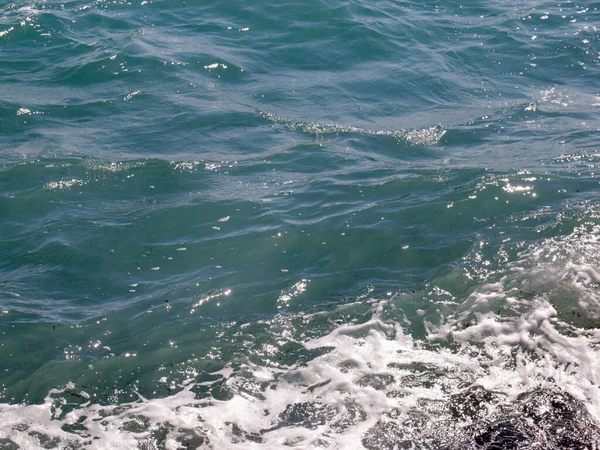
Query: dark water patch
{"x": 554, "y": 419}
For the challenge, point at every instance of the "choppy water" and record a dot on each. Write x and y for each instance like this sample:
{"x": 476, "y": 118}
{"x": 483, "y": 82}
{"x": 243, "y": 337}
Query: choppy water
{"x": 315, "y": 224}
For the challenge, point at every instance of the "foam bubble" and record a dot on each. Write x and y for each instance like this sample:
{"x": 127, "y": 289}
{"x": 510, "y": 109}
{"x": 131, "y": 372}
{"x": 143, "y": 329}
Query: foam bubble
{"x": 423, "y": 136}
{"x": 5, "y": 32}
{"x": 64, "y": 184}
{"x": 131, "y": 95}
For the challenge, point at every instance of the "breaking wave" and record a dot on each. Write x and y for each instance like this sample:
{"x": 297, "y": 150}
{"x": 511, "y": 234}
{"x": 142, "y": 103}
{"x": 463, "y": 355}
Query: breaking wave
{"x": 422, "y": 136}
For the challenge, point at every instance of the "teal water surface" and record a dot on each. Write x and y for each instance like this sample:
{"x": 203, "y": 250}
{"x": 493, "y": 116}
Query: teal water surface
{"x": 314, "y": 224}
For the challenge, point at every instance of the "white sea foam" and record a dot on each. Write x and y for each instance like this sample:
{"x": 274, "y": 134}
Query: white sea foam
{"x": 5, "y": 32}
{"x": 64, "y": 184}
{"x": 423, "y": 136}
{"x": 215, "y": 66}
{"x": 131, "y": 95}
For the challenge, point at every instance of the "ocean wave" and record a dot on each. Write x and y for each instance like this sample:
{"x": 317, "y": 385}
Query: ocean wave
{"x": 423, "y": 136}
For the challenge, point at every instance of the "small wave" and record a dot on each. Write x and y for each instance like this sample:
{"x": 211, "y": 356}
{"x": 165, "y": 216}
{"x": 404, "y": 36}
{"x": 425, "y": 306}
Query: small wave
{"x": 5, "y": 32}
{"x": 64, "y": 184}
{"x": 131, "y": 95}
{"x": 421, "y": 136}
{"x": 25, "y": 111}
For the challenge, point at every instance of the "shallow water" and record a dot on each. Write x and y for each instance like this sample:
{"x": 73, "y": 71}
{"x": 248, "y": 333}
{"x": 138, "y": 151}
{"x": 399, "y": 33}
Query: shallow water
{"x": 303, "y": 224}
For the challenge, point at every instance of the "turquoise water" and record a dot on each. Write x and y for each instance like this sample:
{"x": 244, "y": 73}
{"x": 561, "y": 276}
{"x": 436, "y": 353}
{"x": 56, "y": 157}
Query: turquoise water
{"x": 315, "y": 224}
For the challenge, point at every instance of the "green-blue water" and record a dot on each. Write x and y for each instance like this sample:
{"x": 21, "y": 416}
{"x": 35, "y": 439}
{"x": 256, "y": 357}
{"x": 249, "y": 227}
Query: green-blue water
{"x": 315, "y": 224}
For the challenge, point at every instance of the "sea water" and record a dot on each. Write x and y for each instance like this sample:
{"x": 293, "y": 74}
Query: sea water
{"x": 299, "y": 224}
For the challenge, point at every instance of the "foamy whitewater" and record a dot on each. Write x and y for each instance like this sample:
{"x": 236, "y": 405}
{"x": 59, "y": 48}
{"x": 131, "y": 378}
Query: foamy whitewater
{"x": 515, "y": 365}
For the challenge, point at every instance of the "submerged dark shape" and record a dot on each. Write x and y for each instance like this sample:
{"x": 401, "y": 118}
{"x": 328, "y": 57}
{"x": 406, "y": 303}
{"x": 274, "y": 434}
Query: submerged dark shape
{"x": 385, "y": 436}
{"x": 307, "y": 414}
{"x": 549, "y": 419}
{"x": 503, "y": 435}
